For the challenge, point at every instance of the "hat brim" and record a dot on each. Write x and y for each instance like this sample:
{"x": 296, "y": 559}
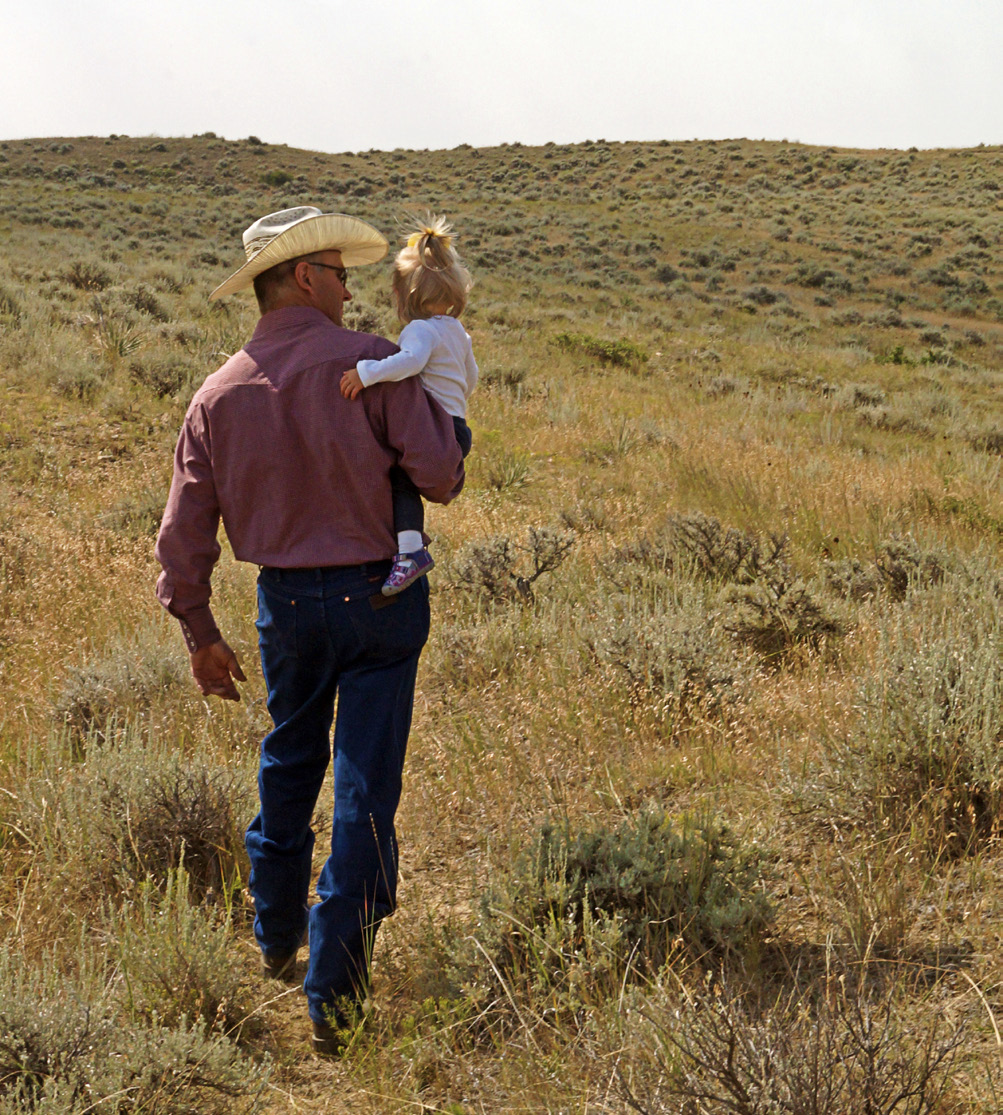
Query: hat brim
{"x": 358, "y": 243}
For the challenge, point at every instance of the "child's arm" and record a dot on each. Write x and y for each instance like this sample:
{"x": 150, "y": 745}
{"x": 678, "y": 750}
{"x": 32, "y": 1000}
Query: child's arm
{"x": 416, "y": 343}
{"x": 471, "y": 370}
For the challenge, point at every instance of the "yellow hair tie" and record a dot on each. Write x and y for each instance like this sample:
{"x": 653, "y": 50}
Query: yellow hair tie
{"x": 415, "y": 237}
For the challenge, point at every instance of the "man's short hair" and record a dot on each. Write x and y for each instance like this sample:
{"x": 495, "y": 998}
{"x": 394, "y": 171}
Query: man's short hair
{"x": 268, "y": 284}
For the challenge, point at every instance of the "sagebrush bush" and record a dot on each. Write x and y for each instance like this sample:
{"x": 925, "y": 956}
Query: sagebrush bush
{"x": 765, "y": 605}
{"x": 577, "y": 909}
{"x": 164, "y": 375}
{"x": 177, "y": 961}
{"x": 10, "y": 308}
{"x": 844, "y": 1046}
{"x": 183, "y": 813}
{"x": 701, "y": 545}
{"x": 69, "y": 1046}
{"x": 499, "y": 569}
{"x": 145, "y": 300}
{"x": 132, "y": 672}
{"x": 900, "y": 564}
{"x": 673, "y": 651}
{"x": 85, "y": 274}
{"x": 779, "y": 613}
{"x": 927, "y": 747}
{"x": 510, "y": 377}
{"x": 989, "y": 440}
{"x": 131, "y": 809}
{"x": 852, "y": 579}
{"x": 611, "y": 353}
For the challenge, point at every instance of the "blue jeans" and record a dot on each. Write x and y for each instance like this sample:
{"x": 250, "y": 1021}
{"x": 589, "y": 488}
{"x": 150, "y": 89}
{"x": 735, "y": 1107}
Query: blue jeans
{"x": 319, "y": 637}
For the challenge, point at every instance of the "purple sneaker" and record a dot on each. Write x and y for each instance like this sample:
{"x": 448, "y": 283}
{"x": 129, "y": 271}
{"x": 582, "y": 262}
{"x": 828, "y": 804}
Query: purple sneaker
{"x": 407, "y": 568}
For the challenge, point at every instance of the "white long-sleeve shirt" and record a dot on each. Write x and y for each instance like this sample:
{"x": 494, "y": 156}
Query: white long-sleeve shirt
{"x": 438, "y": 350}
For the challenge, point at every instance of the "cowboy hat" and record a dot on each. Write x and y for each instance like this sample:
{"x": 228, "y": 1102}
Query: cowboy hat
{"x": 291, "y": 233}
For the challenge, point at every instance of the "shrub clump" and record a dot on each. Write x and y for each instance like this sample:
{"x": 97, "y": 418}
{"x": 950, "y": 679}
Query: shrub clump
{"x": 988, "y": 441}
{"x": 928, "y": 743}
{"x": 183, "y": 813}
{"x": 86, "y": 275}
{"x": 175, "y": 954}
{"x": 778, "y": 613}
{"x": 677, "y": 652}
{"x": 510, "y": 377}
{"x": 146, "y": 301}
{"x": 843, "y": 1046}
{"x": 578, "y": 908}
{"x": 130, "y": 811}
{"x": 902, "y": 564}
{"x": 721, "y": 553}
{"x": 899, "y": 565}
{"x": 493, "y": 568}
{"x": 125, "y": 679}
{"x": 619, "y": 354}
{"x": 69, "y": 1047}
{"x": 163, "y": 375}
{"x": 10, "y": 308}
{"x": 765, "y": 604}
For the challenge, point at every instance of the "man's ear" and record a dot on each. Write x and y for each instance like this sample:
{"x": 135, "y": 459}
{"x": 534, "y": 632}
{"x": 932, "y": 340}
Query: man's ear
{"x": 303, "y": 276}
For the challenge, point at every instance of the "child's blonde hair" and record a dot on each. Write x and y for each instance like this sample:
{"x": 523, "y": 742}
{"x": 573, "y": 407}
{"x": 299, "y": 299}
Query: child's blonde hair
{"x": 428, "y": 272}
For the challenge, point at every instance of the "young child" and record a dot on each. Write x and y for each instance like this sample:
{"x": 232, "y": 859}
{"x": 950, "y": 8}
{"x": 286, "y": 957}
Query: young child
{"x": 430, "y": 288}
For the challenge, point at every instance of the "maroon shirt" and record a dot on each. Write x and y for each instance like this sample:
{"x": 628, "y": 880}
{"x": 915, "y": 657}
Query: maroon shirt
{"x": 299, "y": 475}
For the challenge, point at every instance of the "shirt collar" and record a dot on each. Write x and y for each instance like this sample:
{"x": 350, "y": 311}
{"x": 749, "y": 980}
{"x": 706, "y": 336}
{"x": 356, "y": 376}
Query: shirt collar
{"x": 288, "y": 317}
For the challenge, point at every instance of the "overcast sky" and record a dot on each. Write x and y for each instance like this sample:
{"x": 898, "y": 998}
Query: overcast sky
{"x": 382, "y": 74}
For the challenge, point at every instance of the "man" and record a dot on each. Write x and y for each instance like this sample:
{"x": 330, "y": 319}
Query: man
{"x": 300, "y": 477}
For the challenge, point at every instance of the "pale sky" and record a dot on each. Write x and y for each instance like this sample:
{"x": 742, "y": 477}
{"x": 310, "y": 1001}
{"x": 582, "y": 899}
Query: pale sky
{"x": 384, "y": 73}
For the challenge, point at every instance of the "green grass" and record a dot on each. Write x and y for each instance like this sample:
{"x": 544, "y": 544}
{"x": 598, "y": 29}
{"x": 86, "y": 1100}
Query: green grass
{"x": 728, "y": 555}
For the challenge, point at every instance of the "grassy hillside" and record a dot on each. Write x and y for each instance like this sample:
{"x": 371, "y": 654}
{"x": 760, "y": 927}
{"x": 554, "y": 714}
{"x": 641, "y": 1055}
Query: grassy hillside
{"x": 704, "y": 791}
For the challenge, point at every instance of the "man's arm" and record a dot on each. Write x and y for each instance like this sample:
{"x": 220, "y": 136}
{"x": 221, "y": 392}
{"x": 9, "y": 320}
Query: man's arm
{"x": 187, "y": 549}
{"x": 422, "y": 433}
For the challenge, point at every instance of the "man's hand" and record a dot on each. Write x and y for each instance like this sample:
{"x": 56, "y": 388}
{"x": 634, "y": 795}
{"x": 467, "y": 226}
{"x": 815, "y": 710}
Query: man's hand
{"x": 351, "y": 384}
{"x": 214, "y": 669}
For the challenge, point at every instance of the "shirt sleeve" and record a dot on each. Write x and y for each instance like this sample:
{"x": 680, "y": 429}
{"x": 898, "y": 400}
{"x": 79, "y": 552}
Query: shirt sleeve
{"x": 187, "y": 547}
{"x": 471, "y": 368}
{"x": 415, "y": 345}
{"x": 422, "y": 434}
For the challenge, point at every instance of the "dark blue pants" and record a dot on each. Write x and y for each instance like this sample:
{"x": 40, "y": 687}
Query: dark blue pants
{"x": 319, "y": 637}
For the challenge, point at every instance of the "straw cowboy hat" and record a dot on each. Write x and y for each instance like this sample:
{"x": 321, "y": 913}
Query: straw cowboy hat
{"x": 291, "y": 233}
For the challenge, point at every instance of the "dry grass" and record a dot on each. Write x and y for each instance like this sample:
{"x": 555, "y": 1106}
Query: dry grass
{"x": 815, "y": 354}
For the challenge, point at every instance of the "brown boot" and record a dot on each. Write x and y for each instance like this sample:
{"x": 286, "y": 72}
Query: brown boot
{"x": 280, "y": 964}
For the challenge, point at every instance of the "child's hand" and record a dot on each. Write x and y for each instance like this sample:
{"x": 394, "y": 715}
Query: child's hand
{"x": 351, "y": 384}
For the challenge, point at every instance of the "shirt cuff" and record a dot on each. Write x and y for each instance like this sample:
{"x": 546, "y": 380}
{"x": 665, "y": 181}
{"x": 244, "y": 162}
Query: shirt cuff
{"x": 199, "y": 629}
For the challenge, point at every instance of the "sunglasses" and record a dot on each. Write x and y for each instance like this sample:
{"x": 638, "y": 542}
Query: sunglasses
{"x": 341, "y": 272}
